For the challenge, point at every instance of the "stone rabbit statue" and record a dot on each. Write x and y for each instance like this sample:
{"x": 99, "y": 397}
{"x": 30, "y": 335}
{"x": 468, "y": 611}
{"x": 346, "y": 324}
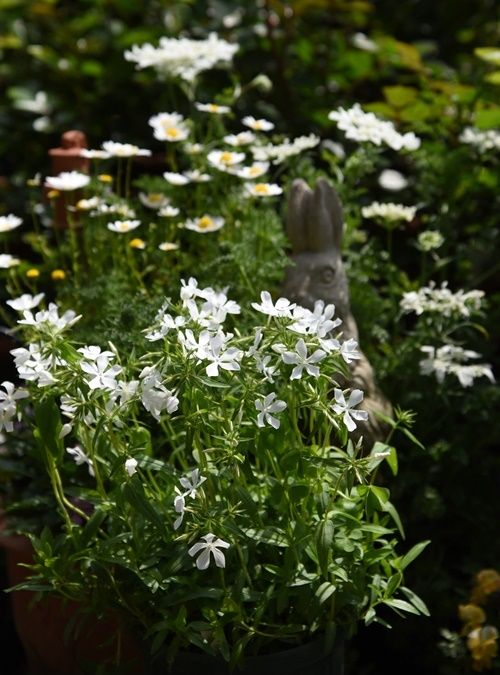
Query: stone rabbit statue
{"x": 314, "y": 225}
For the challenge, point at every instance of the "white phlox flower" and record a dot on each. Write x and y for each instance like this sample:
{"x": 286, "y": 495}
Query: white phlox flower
{"x": 155, "y": 396}
{"x": 319, "y": 322}
{"x": 34, "y": 366}
{"x": 346, "y": 408}
{"x": 280, "y": 152}
{"x": 257, "y": 124}
{"x": 80, "y": 457}
{"x": 282, "y": 308}
{"x": 124, "y": 150}
{"x": 392, "y": 180}
{"x": 482, "y": 140}
{"x": 191, "y": 483}
{"x": 266, "y": 407}
{"x": 25, "y": 301}
{"x": 367, "y": 127}
{"x": 131, "y": 466}
{"x": 452, "y": 360}
{"x": 302, "y": 360}
{"x": 182, "y": 57}
{"x": 48, "y": 320}
{"x": 210, "y": 546}
{"x": 102, "y": 374}
{"x": 442, "y": 300}
{"x": 9, "y": 222}
{"x": 217, "y": 306}
{"x": 220, "y": 356}
{"x": 8, "y": 404}
{"x": 170, "y": 127}
{"x": 349, "y": 350}
{"x": 166, "y": 323}
{"x": 67, "y": 181}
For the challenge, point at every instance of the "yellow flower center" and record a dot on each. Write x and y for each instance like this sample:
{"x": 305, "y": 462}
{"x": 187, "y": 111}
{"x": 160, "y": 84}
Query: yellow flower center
{"x": 52, "y": 194}
{"x": 226, "y": 157}
{"x": 32, "y": 273}
{"x": 105, "y": 178}
{"x": 255, "y": 171}
{"x": 205, "y": 222}
{"x": 261, "y": 189}
{"x": 58, "y": 275}
{"x": 213, "y": 107}
{"x": 155, "y": 197}
{"x": 172, "y": 132}
{"x": 137, "y": 243}
{"x": 257, "y": 125}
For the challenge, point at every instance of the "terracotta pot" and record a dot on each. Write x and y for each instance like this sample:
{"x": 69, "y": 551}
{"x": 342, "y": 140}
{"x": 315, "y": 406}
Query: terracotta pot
{"x": 41, "y": 626}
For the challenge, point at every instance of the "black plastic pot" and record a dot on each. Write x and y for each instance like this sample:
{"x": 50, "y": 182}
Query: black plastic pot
{"x": 309, "y": 659}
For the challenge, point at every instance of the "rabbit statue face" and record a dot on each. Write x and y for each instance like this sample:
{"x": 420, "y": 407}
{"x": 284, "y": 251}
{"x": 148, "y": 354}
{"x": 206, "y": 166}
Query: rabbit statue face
{"x": 314, "y": 226}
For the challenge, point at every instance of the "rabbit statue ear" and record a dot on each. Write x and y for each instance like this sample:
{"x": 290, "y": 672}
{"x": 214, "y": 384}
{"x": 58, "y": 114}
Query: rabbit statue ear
{"x": 297, "y": 215}
{"x": 327, "y": 221}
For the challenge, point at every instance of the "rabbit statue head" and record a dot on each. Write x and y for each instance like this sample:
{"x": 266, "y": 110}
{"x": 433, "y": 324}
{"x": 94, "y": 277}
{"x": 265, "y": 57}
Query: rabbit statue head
{"x": 314, "y": 225}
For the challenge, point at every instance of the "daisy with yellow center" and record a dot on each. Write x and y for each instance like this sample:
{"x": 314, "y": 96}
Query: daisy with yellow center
{"x": 237, "y": 140}
{"x": 204, "y": 224}
{"x": 137, "y": 243}
{"x": 222, "y": 159}
{"x": 168, "y": 211}
{"x": 169, "y": 127}
{"x": 263, "y": 190}
{"x": 251, "y": 172}
{"x": 153, "y": 200}
{"x": 123, "y": 226}
{"x": 257, "y": 125}
{"x": 213, "y": 108}
{"x": 168, "y": 246}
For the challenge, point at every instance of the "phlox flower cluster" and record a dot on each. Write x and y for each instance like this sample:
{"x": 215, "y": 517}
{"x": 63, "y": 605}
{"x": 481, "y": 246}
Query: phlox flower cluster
{"x": 182, "y": 57}
{"x": 389, "y": 211}
{"x": 367, "y": 127}
{"x": 442, "y": 300}
{"x": 452, "y": 360}
{"x": 484, "y": 141}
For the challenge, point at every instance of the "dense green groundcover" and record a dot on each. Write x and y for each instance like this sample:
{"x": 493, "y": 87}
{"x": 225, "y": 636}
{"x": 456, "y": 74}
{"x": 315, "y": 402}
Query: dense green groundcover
{"x": 425, "y": 67}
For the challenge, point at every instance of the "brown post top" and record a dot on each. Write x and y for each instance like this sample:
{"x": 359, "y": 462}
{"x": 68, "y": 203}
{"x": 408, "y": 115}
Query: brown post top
{"x": 67, "y": 157}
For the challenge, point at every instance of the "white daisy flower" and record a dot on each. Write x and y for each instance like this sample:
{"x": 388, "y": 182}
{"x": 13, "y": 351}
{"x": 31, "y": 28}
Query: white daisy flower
{"x": 168, "y": 246}
{"x": 251, "y": 172}
{"x": 94, "y": 154}
{"x": 7, "y": 260}
{"x": 204, "y": 224}
{"x": 175, "y": 178}
{"x": 193, "y": 148}
{"x": 153, "y": 200}
{"x": 392, "y": 180}
{"x": 237, "y": 140}
{"x": 67, "y": 181}
{"x": 257, "y": 125}
{"x": 213, "y": 108}
{"x": 389, "y": 211}
{"x": 10, "y": 222}
{"x": 222, "y": 159}
{"x": 123, "y": 226}
{"x": 170, "y": 127}
{"x": 124, "y": 149}
{"x": 196, "y": 176}
{"x": 168, "y": 211}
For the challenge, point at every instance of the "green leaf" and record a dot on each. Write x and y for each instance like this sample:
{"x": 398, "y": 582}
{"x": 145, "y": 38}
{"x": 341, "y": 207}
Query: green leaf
{"x": 413, "y": 553}
{"x": 412, "y": 438}
{"x": 493, "y": 78}
{"x": 487, "y": 119}
{"x": 489, "y": 54}
{"x": 404, "y": 606}
{"x": 324, "y": 538}
{"x": 325, "y": 591}
{"x": 48, "y": 422}
{"x": 399, "y": 96}
{"x": 391, "y": 510}
{"x": 415, "y": 600}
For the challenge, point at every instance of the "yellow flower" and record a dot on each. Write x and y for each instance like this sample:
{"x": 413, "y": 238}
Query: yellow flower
{"x": 486, "y": 583}
{"x": 472, "y": 616}
{"x": 58, "y": 275}
{"x": 105, "y": 178}
{"x": 52, "y": 194}
{"x": 32, "y": 273}
{"x": 137, "y": 243}
{"x": 482, "y": 643}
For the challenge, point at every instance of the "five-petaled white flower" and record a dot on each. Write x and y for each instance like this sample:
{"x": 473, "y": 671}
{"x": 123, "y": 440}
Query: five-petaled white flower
{"x": 103, "y": 376}
{"x": 25, "y": 301}
{"x": 210, "y": 546}
{"x": 301, "y": 360}
{"x": 222, "y": 159}
{"x": 282, "y": 307}
{"x": 267, "y": 406}
{"x": 131, "y": 466}
{"x": 263, "y": 190}
{"x": 346, "y": 408}
{"x": 123, "y": 226}
{"x": 8, "y": 405}
{"x": 81, "y": 458}
{"x": 213, "y": 108}
{"x": 124, "y": 149}
{"x": 170, "y": 127}
{"x": 7, "y": 260}
{"x": 204, "y": 224}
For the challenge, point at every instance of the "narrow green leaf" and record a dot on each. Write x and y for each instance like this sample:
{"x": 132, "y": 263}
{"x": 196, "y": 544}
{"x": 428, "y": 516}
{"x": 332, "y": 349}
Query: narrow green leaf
{"x": 413, "y": 553}
{"x": 325, "y": 591}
